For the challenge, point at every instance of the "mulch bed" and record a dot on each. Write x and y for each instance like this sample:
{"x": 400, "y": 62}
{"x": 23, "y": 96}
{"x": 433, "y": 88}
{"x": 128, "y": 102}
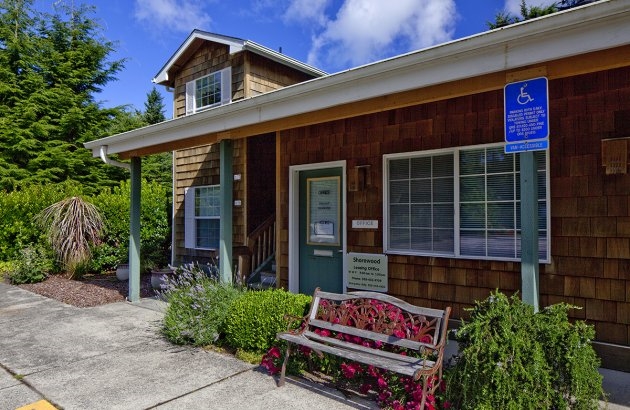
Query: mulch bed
{"x": 91, "y": 290}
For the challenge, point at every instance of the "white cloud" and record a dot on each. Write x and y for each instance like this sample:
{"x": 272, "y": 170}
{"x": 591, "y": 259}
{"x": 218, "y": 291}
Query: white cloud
{"x": 307, "y": 11}
{"x": 366, "y": 30}
{"x": 172, "y": 15}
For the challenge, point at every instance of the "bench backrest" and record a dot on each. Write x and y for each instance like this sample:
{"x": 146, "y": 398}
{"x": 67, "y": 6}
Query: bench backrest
{"x": 379, "y": 317}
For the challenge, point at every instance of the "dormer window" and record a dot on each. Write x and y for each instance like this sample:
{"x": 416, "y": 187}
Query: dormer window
{"x": 209, "y": 91}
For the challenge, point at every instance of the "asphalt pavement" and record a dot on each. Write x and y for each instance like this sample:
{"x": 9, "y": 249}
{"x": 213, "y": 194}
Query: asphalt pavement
{"x": 54, "y": 355}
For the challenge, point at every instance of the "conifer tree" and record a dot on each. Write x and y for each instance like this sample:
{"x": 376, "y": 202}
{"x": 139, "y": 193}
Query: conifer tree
{"x": 52, "y": 66}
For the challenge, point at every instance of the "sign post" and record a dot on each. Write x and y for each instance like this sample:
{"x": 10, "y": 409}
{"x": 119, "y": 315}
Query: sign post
{"x": 527, "y": 130}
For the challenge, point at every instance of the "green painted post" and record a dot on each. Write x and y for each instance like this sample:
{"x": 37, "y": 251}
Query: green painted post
{"x": 225, "y": 227}
{"x": 529, "y": 229}
{"x": 134, "y": 231}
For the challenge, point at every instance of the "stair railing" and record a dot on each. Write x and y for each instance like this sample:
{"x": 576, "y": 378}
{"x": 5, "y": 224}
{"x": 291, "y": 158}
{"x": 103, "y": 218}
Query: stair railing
{"x": 261, "y": 246}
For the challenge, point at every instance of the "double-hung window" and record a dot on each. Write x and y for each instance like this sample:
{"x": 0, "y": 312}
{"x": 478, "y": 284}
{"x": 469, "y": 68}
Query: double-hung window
{"x": 462, "y": 202}
{"x": 209, "y": 91}
{"x": 202, "y": 217}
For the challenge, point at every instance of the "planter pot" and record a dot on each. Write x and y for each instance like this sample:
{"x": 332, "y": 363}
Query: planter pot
{"x": 157, "y": 278}
{"x": 122, "y": 272}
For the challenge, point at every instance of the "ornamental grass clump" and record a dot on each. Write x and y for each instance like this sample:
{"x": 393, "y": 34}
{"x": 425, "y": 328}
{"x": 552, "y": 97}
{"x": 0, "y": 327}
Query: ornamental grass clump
{"x": 71, "y": 226}
{"x": 197, "y": 306}
{"x": 512, "y": 358}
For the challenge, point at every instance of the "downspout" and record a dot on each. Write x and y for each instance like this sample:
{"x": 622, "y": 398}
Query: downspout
{"x": 108, "y": 161}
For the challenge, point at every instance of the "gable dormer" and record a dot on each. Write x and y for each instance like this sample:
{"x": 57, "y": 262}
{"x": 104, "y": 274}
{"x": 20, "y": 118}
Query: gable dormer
{"x": 209, "y": 70}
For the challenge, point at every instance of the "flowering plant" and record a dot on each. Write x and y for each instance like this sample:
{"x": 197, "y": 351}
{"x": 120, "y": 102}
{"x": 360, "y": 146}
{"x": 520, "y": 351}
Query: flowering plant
{"x": 389, "y": 389}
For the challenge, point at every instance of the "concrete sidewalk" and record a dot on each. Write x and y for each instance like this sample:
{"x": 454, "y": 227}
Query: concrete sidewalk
{"x": 113, "y": 357}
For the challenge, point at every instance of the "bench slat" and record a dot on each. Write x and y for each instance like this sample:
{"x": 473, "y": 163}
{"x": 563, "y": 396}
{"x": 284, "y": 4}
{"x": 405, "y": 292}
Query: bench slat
{"x": 408, "y": 307}
{"x": 393, "y": 340}
{"x": 397, "y": 366}
{"x": 361, "y": 348}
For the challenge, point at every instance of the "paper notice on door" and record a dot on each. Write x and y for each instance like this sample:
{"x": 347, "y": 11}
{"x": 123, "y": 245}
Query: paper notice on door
{"x": 323, "y": 210}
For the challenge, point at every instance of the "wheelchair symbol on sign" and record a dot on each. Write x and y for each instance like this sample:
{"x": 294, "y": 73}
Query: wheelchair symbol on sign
{"x": 523, "y": 98}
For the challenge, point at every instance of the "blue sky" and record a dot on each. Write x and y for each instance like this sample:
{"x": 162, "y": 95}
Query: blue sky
{"x": 331, "y": 34}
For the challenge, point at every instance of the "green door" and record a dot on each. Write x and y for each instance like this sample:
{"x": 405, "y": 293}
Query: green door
{"x": 321, "y": 229}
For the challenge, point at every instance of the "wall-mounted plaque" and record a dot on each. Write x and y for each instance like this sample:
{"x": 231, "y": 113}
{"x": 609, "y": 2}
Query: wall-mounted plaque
{"x": 367, "y": 271}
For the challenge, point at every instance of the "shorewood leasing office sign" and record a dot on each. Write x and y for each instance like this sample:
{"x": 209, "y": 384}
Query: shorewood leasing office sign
{"x": 367, "y": 271}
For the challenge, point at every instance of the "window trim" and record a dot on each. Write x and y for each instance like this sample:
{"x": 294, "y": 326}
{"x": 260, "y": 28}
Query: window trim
{"x": 457, "y": 203}
{"x": 191, "y": 218}
{"x": 226, "y": 91}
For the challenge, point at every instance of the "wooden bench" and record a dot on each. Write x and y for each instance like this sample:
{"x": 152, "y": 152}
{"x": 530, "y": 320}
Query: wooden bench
{"x": 375, "y": 317}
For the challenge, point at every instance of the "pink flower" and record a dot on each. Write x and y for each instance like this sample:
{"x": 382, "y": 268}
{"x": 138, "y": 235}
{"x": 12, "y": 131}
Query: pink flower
{"x": 325, "y": 333}
{"x": 397, "y": 406}
{"x": 348, "y": 371}
{"x": 446, "y": 404}
{"x": 399, "y": 333}
{"x": 365, "y": 388}
{"x": 426, "y": 339}
{"x": 372, "y": 371}
{"x": 305, "y": 350}
{"x": 274, "y": 352}
{"x": 381, "y": 383}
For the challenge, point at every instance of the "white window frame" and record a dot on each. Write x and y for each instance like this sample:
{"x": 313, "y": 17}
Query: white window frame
{"x": 457, "y": 203}
{"x": 191, "y": 217}
{"x": 226, "y": 91}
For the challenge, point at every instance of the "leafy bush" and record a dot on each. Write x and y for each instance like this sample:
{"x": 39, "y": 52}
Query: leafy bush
{"x": 197, "y": 306}
{"x": 512, "y": 358}
{"x": 18, "y": 229}
{"x": 155, "y": 235}
{"x": 256, "y": 317}
{"x": 33, "y": 265}
{"x": 5, "y": 269}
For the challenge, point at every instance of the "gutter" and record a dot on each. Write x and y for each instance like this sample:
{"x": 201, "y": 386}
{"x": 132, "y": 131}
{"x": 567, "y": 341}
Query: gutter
{"x": 560, "y": 35}
{"x": 108, "y": 161}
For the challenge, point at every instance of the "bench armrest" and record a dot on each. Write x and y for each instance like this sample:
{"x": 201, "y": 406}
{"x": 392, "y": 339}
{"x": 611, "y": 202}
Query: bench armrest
{"x": 290, "y": 319}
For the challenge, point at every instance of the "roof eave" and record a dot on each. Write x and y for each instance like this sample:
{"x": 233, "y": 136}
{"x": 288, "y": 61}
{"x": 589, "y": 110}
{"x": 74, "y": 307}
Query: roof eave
{"x": 591, "y": 28}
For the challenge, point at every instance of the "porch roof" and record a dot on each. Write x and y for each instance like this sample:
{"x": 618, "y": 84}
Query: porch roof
{"x": 590, "y": 28}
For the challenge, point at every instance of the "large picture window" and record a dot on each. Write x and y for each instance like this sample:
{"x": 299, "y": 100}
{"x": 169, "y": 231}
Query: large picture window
{"x": 209, "y": 91}
{"x": 202, "y": 208}
{"x": 461, "y": 202}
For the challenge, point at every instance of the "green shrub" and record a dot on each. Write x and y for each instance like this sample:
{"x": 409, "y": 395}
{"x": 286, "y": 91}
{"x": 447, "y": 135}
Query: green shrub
{"x": 256, "y": 317}
{"x": 5, "y": 269}
{"x": 32, "y": 265}
{"x": 155, "y": 235}
{"x": 512, "y": 358}
{"x": 18, "y": 229}
{"x": 197, "y": 307}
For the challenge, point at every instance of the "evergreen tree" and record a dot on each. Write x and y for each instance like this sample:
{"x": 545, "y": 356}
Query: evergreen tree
{"x": 51, "y": 67}
{"x": 157, "y": 167}
{"x": 154, "y": 107}
{"x": 504, "y": 18}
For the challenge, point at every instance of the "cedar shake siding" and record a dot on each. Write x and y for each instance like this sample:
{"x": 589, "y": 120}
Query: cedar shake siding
{"x": 252, "y": 74}
{"x": 590, "y": 218}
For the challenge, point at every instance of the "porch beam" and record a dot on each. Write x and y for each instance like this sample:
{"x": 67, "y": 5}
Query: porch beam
{"x": 225, "y": 226}
{"x": 134, "y": 230}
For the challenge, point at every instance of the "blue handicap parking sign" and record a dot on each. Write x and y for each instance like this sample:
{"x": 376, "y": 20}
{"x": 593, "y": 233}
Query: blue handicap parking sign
{"x": 526, "y": 111}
